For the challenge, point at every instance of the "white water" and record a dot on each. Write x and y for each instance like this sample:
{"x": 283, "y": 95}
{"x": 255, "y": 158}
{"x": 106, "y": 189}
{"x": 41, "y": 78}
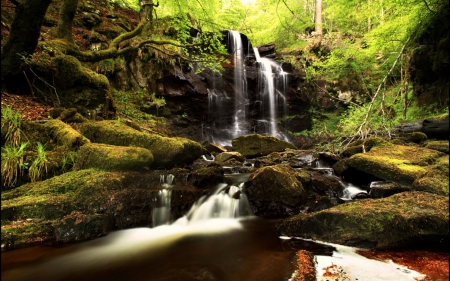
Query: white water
{"x": 240, "y": 84}
{"x": 272, "y": 98}
{"x": 267, "y": 101}
{"x": 161, "y": 206}
{"x": 346, "y": 265}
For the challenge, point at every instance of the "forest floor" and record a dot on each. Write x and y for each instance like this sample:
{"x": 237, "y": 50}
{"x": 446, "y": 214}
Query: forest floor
{"x": 30, "y": 108}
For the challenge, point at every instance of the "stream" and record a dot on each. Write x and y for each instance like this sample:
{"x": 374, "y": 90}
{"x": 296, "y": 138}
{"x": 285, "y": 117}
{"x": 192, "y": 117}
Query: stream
{"x": 218, "y": 239}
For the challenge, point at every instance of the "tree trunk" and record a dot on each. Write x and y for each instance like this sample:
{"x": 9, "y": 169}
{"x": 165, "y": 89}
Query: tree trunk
{"x": 66, "y": 15}
{"x": 22, "y": 40}
{"x": 318, "y": 25}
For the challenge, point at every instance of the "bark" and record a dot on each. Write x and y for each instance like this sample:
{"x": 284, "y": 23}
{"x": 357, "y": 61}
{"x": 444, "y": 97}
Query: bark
{"x": 318, "y": 24}
{"x": 22, "y": 40}
{"x": 66, "y": 15}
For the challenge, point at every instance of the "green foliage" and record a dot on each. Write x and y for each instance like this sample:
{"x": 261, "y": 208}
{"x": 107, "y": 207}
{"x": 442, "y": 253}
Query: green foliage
{"x": 68, "y": 162}
{"x": 39, "y": 167}
{"x": 11, "y": 122}
{"x": 13, "y": 164}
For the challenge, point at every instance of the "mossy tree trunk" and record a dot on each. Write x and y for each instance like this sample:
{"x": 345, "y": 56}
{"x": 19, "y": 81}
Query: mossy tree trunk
{"x": 66, "y": 16}
{"x": 22, "y": 40}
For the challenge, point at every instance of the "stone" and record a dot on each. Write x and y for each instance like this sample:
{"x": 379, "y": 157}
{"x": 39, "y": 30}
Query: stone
{"x": 113, "y": 157}
{"x": 254, "y": 145}
{"x": 397, "y": 221}
{"x": 275, "y": 191}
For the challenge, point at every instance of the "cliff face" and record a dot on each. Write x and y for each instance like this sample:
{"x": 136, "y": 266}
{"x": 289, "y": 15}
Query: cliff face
{"x": 429, "y": 63}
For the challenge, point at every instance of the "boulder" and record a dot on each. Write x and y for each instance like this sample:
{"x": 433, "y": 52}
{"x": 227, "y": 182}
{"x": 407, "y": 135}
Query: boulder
{"x": 441, "y": 145}
{"x": 206, "y": 177}
{"x": 225, "y": 156}
{"x": 113, "y": 157}
{"x": 255, "y": 145}
{"x": 381, "y": 189}
{"x": 167, "y": 152}
{"x": 400, "y": 220}
{"x": 275, "y": 191}
{"x": 404, "y": 165}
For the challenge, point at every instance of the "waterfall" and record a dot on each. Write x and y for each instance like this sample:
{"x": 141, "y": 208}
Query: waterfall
{"x": 224, "y": 202}
{"x": 272, "y": 98}
{"x": 161, "y": 207}
{"x": 239, "y": 105}
{"x": 240, "y": 85}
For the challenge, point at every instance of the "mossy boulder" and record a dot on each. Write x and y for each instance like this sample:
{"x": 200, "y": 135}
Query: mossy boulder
{"x": 400, "y": 220}
{"x": 403, "y": 165}
{"x": 255, "y": 145}
{"x": 275, "y": 191}
{"x": 99, "y": 200}
{"x": 435, "y": 179}
{"x": 206, "y": 177}
{"x": 113, "y": 157}
{"x": 167, "y": 152}
{"x": 441, "y": 146}
{"x": 225, "y": 156}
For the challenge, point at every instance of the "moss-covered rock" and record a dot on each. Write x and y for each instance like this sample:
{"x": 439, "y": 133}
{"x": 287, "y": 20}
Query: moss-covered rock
{"x": 225, "y": 156}
{"x": 275, "y": 191}
{"x": 441, "y": 146}
{"x": 401, "y": 164}
{"x": 100, "y": 200}
{"x": 400, "y": 220}
{"x": 207, "y": 177}
{"x": 167, "y": 152}
{"x": 64, "y": 135}
{"x": 255, "y": 145}
{"x": 435, "y": 179}
{"x": 113, "y": 157}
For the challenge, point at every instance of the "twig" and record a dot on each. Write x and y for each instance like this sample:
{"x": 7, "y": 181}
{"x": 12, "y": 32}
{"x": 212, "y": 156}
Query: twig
{"x": 56, "y": 93}
{"x": 29, "y": 84}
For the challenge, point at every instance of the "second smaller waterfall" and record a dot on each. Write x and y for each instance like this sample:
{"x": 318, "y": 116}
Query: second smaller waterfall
{"x": 161, "y": 207}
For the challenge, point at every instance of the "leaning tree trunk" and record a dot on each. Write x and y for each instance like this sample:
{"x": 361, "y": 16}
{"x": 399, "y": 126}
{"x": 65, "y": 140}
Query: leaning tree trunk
{"x": 22, "y": 40}
{"x": 66, "y": 16}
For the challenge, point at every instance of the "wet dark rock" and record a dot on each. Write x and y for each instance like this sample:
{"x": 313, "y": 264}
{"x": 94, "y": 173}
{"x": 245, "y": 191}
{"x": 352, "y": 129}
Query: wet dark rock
{"x": 79, "y": 227}
{"x": 206, "y": 177}
{"x": 381, "y": 189}
{"x": 275, "y": 191}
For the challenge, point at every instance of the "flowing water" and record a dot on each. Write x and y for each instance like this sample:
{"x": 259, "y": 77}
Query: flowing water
{"x": 268, "y": 103}
{"x": 218, "y": 239}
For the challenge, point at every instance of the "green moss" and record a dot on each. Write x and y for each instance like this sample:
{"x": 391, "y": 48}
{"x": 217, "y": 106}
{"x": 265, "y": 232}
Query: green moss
{"x": 65, "y": 135}
{"x": 379, "y": 223}
{"x": 401, "y": 164}
{"x": 70, "y": 72}
{"x": 167, "y": 152}
{"x": 112, "y": 157}
{"x": 442, "y": 146}
{"x": 254, "y": 145}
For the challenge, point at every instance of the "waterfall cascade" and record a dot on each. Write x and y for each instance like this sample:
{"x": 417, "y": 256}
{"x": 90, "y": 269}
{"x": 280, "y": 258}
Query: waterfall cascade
{"x": 224, "y": 201}
{"x": 161, "y": 207}
{"x": 256, "y": 105}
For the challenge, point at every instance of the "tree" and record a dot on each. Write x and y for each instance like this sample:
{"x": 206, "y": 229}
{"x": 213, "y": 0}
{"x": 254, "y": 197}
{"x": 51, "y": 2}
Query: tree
{"x": 66, "y": 15}
{"x": 28, "y": 19}
{"x": 318, "y": 25}
{"x": 23, "y": 38}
